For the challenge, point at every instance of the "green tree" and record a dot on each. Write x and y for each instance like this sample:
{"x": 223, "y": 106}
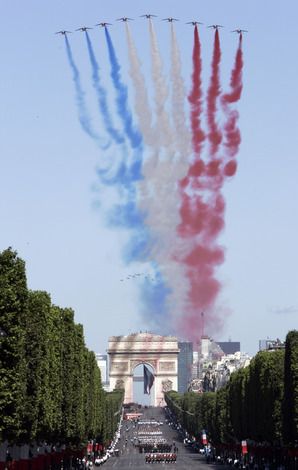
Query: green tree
{"x": 265, "y": 394}
{"x": 37, "y": 328}
{"x": 13, "y": 308}
{"x": 290, "y": 404}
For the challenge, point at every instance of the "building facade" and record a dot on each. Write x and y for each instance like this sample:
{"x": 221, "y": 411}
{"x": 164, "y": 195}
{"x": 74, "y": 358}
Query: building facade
{"x": 102, "y": 362}
{"x": 185, "y": 365}
{"x": 229, "y": 347}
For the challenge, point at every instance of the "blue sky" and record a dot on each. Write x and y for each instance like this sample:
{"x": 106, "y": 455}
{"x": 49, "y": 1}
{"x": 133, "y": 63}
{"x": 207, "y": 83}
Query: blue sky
{"x": 49, "y": 201}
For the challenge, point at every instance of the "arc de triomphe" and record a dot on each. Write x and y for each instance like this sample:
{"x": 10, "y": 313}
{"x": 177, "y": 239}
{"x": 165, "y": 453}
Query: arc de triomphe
{"x": 160, "y": 352}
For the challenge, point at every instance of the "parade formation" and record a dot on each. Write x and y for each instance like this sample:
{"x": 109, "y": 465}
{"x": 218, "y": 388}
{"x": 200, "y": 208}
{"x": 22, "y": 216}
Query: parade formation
{"x": 151, "y": 441}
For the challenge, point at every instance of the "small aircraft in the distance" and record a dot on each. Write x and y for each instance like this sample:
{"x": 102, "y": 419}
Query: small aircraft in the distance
{"x": 148, "y": 16}
{"x": 239, "y": 31}
{"x": 124, "y": 18}
{"x": 215, "y": 26}
{"x": 63, "y": 32}
{"x": 194, "y": 23}
{"x": 170, "y": 19}
{"x": 104, "y": 24}
{"x": 83, "y": 29}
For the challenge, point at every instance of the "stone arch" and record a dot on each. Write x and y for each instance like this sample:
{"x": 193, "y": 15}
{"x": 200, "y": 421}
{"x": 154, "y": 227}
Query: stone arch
{"x": 160, "y": 352}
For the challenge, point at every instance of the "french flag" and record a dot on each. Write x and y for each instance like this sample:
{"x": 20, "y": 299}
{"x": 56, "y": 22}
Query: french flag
{"x": 148, "y": 380}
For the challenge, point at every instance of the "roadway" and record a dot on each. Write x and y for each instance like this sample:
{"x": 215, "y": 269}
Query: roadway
{"x": 130, "y": 458}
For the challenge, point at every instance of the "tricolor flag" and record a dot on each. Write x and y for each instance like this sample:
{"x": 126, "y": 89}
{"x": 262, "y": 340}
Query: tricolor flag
{"x": 148, "y": 380}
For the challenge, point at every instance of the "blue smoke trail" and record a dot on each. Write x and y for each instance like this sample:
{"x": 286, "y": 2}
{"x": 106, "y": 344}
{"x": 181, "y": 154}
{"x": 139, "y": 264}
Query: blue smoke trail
{"x": 133, "y": 135}
{"x": 154, "y": 296}
{"x": 80, "y": 98}
{"x": 102, "y": 95}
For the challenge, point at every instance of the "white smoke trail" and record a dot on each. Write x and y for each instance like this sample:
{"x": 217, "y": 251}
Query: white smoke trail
{"x": 166, "y": 163}
{"x": 162, "y": 127}
{"x": 142, "y": 106}
{"x": 165, "y": 169}
{"x": 182, "y": 134}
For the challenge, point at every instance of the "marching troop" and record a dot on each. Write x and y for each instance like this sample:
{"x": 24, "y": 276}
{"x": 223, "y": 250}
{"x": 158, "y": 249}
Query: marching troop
{"x": 151, "y": 442}
{"x": 161, "y": 458}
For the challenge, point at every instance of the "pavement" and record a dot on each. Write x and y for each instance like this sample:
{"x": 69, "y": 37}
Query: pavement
{"x": 130, "y": 458}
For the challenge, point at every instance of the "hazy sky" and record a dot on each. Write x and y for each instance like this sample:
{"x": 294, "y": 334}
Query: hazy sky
{"x": 49, "y": 201}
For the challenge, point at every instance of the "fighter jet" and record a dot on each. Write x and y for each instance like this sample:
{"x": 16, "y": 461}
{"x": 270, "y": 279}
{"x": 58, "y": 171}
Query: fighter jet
{"x": 194, "y": 23}
{"x": 124, "y": 18}
{"x": 170, "y": 19}
{"x": 83, "y": 29}
{"x": 215, "y": 26}
{"x": 148, "y": 16}
{"x": 239, "y": 31}
{"x": 63, "y": 32}
{"x": 103, "y": 24}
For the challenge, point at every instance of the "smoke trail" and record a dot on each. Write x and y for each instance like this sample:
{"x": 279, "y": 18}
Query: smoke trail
{"x": 203, "y": 209}
{"x": 231, "y": 131}
{"x": 84, "y": 117}
{"x": 159, "y": 179}
{"x": 132, "y": 134}
{"x": 202, "y": 205}
{"x": 178, "y": 97}
{"x": 213, "y": 94}
{"x": 162, "y": 170}
{"x": 102, "y": 95}
{"x": 153, "y": 297}
{"x": 142, "y": 106}
{"x": 190, "y": 208}
{"x": 161, "y": 93}
{"x": 195, "y": 97}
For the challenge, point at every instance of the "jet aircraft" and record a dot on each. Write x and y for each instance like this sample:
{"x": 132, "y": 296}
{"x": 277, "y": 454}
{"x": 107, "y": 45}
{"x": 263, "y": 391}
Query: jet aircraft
{"x": 170, "y": 19}
{"x": 63, "y": 32}
{"x": 194, "y": 23}
{"x": 148, "y": 16}
{"x": 83, "y": 29}
{"x": 124, "y": 18}
{"x": 104, "y": 24}
{"x": 215, "y": 26}
{"x": 239, "y": 31}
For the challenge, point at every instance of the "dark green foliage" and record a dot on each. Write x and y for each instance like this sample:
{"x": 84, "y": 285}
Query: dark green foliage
{"x": 222, "y": 422}
{"x": 290, "y": 405}
{"x": 112, "y": 410}
{"x": 205, "y": 408}
{"x": 37, "y": 327}
{"x": 50, "y": 384}
{"x": 250, "y": 405}
{"x": 264, "y": 396}
{"x": 13, "y": 308}
{"x": 237, "y": 403}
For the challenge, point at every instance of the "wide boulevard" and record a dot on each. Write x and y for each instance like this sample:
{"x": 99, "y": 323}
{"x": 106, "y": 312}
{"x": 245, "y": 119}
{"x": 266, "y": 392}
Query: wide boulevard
{"x": 130, "y": 457}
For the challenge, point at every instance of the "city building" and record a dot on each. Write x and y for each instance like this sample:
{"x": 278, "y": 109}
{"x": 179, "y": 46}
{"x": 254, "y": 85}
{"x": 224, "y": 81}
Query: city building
{"x": 102, "y": 362}
{"x": 271, "y": 344}
{"x": 229, "y": 347}
{"x": 214, "y": 362}
{"x": 185, "y": 365}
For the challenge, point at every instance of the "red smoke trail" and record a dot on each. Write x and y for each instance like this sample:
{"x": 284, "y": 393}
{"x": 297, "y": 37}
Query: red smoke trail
{"x": 232, "y": 132}
{"x": 202, "y": 206}
{"x": 213, "y": 94}
{"x": 195, "y": 97}
{"x": 201, "y": 217}
{"x": 190, "y": 223}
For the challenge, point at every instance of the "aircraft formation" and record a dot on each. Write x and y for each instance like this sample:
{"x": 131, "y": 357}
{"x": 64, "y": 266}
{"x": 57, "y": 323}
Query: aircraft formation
{"x": 131, "y": 277}
{"x": 148, "y": 16}
{"x": 145, "y": 149}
